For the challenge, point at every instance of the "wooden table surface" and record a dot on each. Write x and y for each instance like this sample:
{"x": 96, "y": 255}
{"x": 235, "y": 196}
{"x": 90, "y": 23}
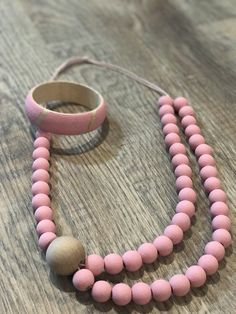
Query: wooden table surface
{"x": 114, "y": 188}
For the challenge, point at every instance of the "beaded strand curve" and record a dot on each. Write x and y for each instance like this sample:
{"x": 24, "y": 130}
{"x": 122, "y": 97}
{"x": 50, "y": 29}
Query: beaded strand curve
{"x": 65, "y": 254}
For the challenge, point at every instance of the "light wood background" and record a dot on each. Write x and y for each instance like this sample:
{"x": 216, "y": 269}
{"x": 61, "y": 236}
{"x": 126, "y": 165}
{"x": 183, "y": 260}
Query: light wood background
{"x": 114, "y": 188}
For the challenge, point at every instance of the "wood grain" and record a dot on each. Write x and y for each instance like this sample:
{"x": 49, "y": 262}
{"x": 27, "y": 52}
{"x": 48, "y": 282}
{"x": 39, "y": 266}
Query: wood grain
{"x": 114, "y": 188}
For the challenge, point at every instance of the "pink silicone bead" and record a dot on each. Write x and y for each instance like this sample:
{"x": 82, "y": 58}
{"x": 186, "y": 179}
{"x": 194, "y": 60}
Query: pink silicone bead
{"x": 206, "y": 160}
{"x": 209, "y": 263}
{"x": 43, "y": 212}
{"x": 40, "y": 163}
{"x": 168, "y": 118}
{"x": 45, "y": 239}
{"x": 216, "y": 249}
{"x": 186, "y": 207}
{"x": 101, "y": 291}
{"x": 40, "y": 175}
{"x": 95, "y": 263}
{"x": 208, "y": 172}
{"x": 179, "y": 103}
{"x": 177, "y": 148}
{"x": 171, "y": 139}
{"x": 191, "y": 130}
{"x": 183, "y": 170}
{"x": 203, "y": 149}
{"x": 113, "y": 263}
{"x": 219, "y": 208}
{"x": 121, "y": 294}
{"x": 211, "y": 184}
{"x": 188, "y": 120}
{"x": 196, "y": 275}
{"x": 180, "y": 285}
{"x": 165, "y": 100}
{"x": 179, "y": 159}
{"x": 42, "y": 142}
{"x": 161, "y": 290}
{"x": 195, "y": 140}
{"x": 40, "y": 133}
{"x": 41, "y": 152}
{"x": 45, "y": 225}
{"x": 223, "y": 236}
{"x": 187, "y": 194}
{"x": 186, "y": 111}
{"x": 170, "y": 128}
{"x": 132, "y": 260}
{"x": 148, "y": 253}
{"x": 141, "y": 293}
{"x": 182, "y": 220}
{"x": 164, "y": 245}
{"x": 166, "y": 109}
{"x": 40, "y": 200}
{"x": 175, "y": 233}
{"x": 83, "y": 279}
{"x": 221, "y": 222}
{"x": 217, "y": 195}
{"x": 40, "y": 187}
{"x": 183, "y": 182}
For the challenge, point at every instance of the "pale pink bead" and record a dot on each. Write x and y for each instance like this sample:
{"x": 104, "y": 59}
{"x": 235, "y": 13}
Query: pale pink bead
{"x": 45, "y": 225}
{"x": 113, "y": 263}
{"x": 203, "y": 149}
{"x": 164, "y": 245}
{"x": 132, "y": 260}
{"x": 121, "y": 294}
{"x": 40, "y": 200}
{"x": 191, "y": 130}
{"x": 166, "y": 109}
{"x": 186, "y": 207}
{"x": 219, "y": 208}
{"x": 170, "y": 128}
{"x": 177, "y": 148}
{"x": 208, "y": 172}
{"x": 172, "y": 138}
{"x": 101, "y": 291}
{"x": 179, "y": 159}
{"x": 188, "y": 120}
{"x": 42, "y": 142}
{"x": 40, "y": 133}
{"x": 179, "y": 103}
{"x": 187, "y": 194}
{"x": 183, "y": 182}
{"x": 195, "y": 140}
{"x": 217, "y": 195}
{"x": 41, "y": 152}
{"x": 209, "y": 263}
{"x": 223, "y": 236}
{"x": 211, "y": 184}
{"x": 165, "y": 100}
{"x": 196, "y": 275}
{"x": 216, "y": 249}
{"x": 186, "y": 111}
{"x": 141, "y": 293}
{"x": 182, "y": 220}
{"x": 168, "y": 118}
{"x": 175, "y": 233}
{"x": 45, "y": 239}
{"x": 40, "y": 175}
{"x": 95, "y": 263}
{"x": 180, "y": 285}
{"x": 221, "y": 222}
{"x": 148, "y": 253}
{"x": 206, "y": 160}
{"x": 43, "y": 212}
{"x": 161, "y": 290}
{"x": 40, "y": 187}
{"x": 183, "y": 170}
{"x": 83, "y": 279}
{"x": 40, "y": 163}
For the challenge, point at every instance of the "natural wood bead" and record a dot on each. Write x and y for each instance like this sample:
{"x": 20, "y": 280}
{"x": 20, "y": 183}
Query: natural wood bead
{"x": 64, "y": 255}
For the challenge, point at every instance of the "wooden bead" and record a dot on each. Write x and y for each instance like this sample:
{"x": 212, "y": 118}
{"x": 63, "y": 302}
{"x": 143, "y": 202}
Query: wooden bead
{"x": 64, "y": 255}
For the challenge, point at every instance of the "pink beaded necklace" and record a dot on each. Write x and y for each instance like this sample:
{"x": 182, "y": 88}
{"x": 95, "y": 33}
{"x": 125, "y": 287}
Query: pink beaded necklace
{"x": 66, "y": 255}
